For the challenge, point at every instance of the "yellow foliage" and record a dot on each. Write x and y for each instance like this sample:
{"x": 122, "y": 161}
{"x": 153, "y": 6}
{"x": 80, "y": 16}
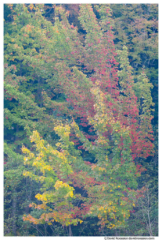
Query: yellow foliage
{"x": 42, "y": 197}
{"x": 26, "y": 173}
{"x": 111, "y": 225}
{"x": 48, "y": 167}
{"x": 58, "y": 144}
{"x": 25, "y": 150}
{"x": 35, "y": 136}
{"x": 101, "y": 169}
{"x": 69, "y": 194}
{"x": 31, "y": 6}
{"x": 60, "y": 184}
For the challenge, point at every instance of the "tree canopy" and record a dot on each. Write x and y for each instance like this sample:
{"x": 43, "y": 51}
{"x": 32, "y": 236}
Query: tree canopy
{"x": 80, "y": 119}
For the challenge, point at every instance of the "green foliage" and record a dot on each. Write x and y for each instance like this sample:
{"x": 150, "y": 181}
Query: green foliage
{"x": 136, "y": 26}
{"x": 111, "y": 174}
{"x": 57, "y": 69}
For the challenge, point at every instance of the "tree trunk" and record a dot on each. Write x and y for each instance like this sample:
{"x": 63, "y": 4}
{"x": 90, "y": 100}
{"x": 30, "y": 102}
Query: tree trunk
{"x": 70, "y": 231}
{"x": 14, "y": 213}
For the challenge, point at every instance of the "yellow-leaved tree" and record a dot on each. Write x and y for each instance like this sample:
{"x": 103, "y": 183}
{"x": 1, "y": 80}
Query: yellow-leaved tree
{"x": 110, "y": 183}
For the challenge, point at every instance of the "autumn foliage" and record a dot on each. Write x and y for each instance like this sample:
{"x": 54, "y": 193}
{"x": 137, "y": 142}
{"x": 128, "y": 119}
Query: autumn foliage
{"x": 105, "y": 111}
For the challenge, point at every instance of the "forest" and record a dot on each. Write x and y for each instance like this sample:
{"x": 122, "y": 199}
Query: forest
{"x": 80, "y": 120}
